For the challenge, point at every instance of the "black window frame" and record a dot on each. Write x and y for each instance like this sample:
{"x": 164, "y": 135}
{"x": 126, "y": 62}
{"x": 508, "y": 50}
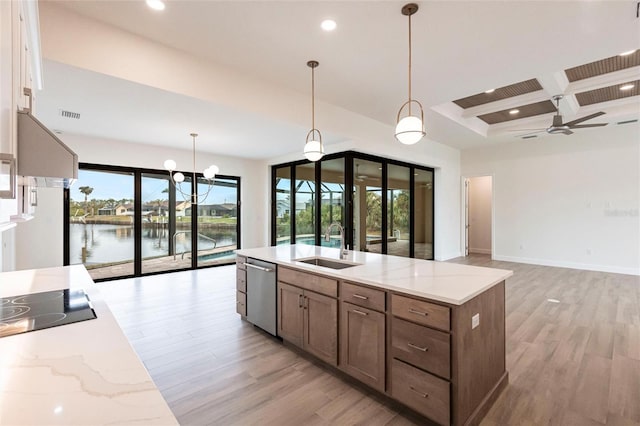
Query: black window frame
{"x": 138, "y": 173}
{"x": 349, "y": 158}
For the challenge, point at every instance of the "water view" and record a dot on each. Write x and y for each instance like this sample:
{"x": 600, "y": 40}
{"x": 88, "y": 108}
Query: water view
{"x": 99, "y": 244}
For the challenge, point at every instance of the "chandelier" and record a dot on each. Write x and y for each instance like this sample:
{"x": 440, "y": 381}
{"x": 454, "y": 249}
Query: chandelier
{"x": 177, "y": 178}
{"x": 410, "y": 129}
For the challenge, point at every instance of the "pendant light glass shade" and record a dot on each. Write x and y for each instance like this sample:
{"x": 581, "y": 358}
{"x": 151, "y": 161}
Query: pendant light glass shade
{"x": 410, "y": 129}
{"x": 313, "y": 148}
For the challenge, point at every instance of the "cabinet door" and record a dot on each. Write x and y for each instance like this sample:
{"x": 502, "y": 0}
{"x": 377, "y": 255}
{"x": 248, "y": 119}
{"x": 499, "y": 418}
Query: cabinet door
{"x": 362, "y": 344}
{"x": 290, "y": 313}
{"x": 321, "y": 327}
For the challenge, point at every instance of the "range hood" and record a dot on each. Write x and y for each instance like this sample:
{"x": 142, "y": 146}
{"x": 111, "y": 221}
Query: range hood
{"x": 43, "y": 156}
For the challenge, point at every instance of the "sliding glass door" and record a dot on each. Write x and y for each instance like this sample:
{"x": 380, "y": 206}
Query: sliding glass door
{"x": 332, "y": 200}
{"x": 367, "y": 205}
{"x": 101, "y": 223}
{"x": 398, "y": 210}
{"x": 384, "y": 206}
{"x": 305, "y": 207}
{"x": 127, "y": 222}
{"x": 218, "y": 223}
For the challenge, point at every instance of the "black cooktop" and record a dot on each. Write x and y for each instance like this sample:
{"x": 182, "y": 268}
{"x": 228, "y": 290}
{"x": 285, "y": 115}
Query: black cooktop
{"x": 37, "y": 311}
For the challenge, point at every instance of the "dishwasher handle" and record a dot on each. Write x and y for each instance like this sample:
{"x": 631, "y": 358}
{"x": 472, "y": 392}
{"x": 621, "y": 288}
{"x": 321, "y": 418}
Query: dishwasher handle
{"x": 258, "y": 267}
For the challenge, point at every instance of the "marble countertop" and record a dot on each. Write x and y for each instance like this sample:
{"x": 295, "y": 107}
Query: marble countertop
{"x": 84, "y": 373}
{"x": 446, "y": 282}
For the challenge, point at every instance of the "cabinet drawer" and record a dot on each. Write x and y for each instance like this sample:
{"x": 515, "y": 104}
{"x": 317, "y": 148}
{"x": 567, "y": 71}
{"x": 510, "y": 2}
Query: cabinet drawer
{"x": 241, "y": 280}
{"x": 241, "y": 303}
{"x": 307, "y": 281}
{"x": 362, "y": 296}
{"x": 240, "y": 260}
{"x": 426, "y": 394}
{"x": 421, "y": 346}
{"x": 420, "y": 311}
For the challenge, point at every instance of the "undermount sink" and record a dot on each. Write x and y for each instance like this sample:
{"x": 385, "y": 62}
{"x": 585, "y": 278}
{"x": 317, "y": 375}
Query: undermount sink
{"x": 327, "y": 263}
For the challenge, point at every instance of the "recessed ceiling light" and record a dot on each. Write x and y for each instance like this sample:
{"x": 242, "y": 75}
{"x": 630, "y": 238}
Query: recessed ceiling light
{"x": 489, "y": 91}
{"x": 553, "y": 300}
{"x": 156, "y": 4}
{"x": 630, "y": 52}
{"x": 627, "y": 87}
{"x": 328, "y": 25}
{"x": 514, "y": 111}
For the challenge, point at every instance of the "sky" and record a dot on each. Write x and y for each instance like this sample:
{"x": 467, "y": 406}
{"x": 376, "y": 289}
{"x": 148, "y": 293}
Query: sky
{"x": 108, "y": 185}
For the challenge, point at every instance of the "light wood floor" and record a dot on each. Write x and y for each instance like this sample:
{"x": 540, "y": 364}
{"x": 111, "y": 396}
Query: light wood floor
{"x": 576, "y": 362}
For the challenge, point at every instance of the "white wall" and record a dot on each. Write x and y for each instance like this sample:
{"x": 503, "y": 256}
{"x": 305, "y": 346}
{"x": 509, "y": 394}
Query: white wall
{"x": 480, "y": 214}
{"x": 38, "y": 242}
{"x": 568, "y": 201}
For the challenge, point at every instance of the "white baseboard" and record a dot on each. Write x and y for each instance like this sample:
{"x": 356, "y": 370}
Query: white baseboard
{"x": 570, "y": 265}
{"x": 448, "y": 256}
{"x": 480, "y": 250}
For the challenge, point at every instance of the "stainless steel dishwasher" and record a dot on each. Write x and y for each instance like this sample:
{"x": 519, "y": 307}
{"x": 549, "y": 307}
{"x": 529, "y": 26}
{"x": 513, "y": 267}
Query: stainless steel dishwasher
{"x": 261, "y": 294}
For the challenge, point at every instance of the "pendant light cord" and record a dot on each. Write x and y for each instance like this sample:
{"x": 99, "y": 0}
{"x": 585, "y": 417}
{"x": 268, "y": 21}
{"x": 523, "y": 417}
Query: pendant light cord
{"x": 409, "y": 64}
{"x": 194, "y": 154}
{"x": 313, "y": 98}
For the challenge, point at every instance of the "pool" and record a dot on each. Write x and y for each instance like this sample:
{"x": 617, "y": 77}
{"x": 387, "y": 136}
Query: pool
{"x": 229, "y": 254}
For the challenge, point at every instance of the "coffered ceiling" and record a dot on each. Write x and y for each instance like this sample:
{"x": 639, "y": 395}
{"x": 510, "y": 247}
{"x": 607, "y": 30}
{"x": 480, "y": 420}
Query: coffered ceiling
{"x": 526, "y": 51}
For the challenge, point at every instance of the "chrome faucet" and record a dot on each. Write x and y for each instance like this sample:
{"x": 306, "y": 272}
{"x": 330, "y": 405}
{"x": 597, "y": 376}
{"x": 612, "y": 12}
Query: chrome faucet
{"x": 327, "y": 237}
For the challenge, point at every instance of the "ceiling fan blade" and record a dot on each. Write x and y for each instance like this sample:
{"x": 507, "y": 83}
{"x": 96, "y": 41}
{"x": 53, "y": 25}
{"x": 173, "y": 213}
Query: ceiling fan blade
{"x": 567, "y": 132}
{"x": 584, "y": 126}
{"x": 585, "y": 118}
{"x": 524, "y": 135}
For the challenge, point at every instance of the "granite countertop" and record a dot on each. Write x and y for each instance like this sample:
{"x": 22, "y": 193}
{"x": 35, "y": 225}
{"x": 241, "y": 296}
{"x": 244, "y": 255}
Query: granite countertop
{"x": 445, "y": 282}
{"x": 85, "y": 373}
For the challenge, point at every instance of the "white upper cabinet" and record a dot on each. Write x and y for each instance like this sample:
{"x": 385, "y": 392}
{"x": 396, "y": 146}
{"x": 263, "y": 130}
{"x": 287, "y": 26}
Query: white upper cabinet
{"x": 19, "y": 56}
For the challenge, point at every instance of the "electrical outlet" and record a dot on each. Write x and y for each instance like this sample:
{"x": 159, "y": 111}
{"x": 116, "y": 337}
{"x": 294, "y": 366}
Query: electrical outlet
{"x": 475, "y": 321}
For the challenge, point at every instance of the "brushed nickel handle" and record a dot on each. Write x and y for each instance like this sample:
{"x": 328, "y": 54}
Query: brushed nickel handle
{"x": 424, "y": 395}
{"x": 420, "y": 348}
{"x": 258, "y": 267}
{"x": 360, "y": 312}
{"x": 357, "y": 296}
{"x": 413, "y": 311}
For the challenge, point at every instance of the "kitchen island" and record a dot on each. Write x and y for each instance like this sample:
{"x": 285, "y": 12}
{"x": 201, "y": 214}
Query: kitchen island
{"x": 84, "y": 373}
{"x": 430, "y": 335}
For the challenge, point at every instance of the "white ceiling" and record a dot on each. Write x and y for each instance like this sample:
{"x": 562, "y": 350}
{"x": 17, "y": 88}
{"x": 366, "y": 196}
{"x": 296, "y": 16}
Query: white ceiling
{"x": 460, "y": 48}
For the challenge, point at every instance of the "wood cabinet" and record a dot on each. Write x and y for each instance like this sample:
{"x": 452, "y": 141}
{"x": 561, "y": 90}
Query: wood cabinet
{"x": 442, "y": 365}
{"x": 307, "y": 318}
{"x": 241, "y": 286}
{"x": 428, "y": 355}
{"x": 321, "y": 326}
{"x": 362, "y": 344}
{"x": 291, "y": 313}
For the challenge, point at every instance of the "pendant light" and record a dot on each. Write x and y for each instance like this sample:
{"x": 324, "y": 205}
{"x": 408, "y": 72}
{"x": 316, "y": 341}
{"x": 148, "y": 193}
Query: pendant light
{"x": 177, "y": 178}
{"x": 313, "y": 148}
{"x": 410, "y": 129}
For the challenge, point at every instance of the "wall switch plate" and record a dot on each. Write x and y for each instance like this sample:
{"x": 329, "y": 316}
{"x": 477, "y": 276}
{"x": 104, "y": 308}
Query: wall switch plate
{"x": 475, "y": 321}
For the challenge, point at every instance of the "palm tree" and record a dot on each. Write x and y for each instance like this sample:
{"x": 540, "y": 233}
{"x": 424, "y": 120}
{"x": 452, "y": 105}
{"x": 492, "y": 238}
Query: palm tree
{"x": 86, "y": 190}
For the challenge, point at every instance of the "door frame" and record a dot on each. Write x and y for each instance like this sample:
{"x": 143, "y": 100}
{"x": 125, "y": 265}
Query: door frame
{"x": 464, "y": 213}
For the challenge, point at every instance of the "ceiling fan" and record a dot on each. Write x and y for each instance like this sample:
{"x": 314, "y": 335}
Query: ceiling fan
{"x": 557, "y": 126}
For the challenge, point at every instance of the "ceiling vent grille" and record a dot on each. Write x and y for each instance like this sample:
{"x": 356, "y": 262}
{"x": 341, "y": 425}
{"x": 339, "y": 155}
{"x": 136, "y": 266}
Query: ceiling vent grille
{"x": 70, "y": 114}
{"x": 627, "y": 122}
